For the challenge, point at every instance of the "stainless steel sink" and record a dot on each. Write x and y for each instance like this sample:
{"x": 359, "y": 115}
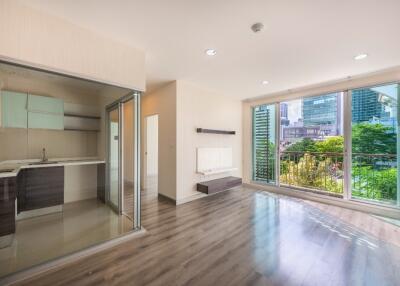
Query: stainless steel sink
{"x": 6, "y": 170}
{"x": 43, "y": 163}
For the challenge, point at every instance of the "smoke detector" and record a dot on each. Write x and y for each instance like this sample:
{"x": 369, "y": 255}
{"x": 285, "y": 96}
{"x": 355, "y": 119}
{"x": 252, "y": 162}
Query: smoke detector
{"x": 257, "y": 27}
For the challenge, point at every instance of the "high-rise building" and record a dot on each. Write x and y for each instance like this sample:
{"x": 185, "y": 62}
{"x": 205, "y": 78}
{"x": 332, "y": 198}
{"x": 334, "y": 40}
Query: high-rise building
{"x": 284, "y": 114}
{"x": 366, "y": 106}
{"x": 323, "y": 111}
{"x": 263, "y": 157}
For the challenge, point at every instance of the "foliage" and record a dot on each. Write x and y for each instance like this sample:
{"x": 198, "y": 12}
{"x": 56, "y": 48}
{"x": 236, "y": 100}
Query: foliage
{"x": 334, "y": 144}
{"x": 305, "y": 145}
{"x": 374, "y": 184}
{"x": 373, "y": 139}
{"x": 313, "y": 173}
{"x": 320, "y": 172}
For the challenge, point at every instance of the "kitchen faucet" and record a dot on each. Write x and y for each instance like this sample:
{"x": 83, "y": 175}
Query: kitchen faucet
{"x": 44, "y": 158}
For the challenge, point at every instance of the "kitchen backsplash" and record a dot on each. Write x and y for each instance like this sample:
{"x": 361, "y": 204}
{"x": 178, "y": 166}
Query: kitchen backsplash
{"x": 20, "y": 143}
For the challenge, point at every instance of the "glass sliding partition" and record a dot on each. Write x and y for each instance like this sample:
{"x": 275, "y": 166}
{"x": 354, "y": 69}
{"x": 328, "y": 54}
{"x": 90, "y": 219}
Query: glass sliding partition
{"x": 264, "y": 144}
{"x": 114, "y": 158}
{"x": 311, "y": 144}
{"x": 375, "y": 144}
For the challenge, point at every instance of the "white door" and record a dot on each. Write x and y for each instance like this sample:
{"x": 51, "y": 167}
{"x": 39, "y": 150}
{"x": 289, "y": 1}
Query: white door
{"x": 151, "y": 151}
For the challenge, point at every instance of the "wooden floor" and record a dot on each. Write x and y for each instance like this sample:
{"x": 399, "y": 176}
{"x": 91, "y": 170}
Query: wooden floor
{"x": 244, "y": 237}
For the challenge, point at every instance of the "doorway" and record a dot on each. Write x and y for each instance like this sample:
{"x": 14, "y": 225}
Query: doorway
{"x": 151, "y": 152}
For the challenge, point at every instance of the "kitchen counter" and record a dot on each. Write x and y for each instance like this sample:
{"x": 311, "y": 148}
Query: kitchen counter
{"x": 11, "y": 168}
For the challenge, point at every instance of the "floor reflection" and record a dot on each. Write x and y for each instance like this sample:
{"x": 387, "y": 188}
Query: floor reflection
{"x": 81, "y": 224}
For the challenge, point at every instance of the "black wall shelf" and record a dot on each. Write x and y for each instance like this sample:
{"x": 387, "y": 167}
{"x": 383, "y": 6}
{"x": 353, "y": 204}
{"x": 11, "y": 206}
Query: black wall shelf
{"x": 212, "y": 131}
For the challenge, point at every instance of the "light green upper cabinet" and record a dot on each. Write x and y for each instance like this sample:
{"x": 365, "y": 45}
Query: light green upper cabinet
{"x": 45, "y": 121}
{"x": 21, "y": 110}
{"x": 37, "y": 103}
{"x": 13, "y": 109}
{"x": 45, "y": 112}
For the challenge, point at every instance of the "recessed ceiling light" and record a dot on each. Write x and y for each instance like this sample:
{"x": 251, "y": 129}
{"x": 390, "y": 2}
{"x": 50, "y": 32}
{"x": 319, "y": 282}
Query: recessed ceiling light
{"x": 265, "y": 82}
{"x": 211, "y": 52}
{"x": 360, "y": 57}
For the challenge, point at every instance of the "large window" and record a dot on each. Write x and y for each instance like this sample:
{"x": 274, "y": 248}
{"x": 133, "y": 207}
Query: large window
{"x": 311, "y": 144}
{"x": 342, "y": 144}
{"x": 375, "y": 142}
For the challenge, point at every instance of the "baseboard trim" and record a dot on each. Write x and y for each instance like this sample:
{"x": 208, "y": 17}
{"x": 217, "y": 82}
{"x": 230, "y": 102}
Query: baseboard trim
{"x": 165, "y": 197}
{"x": 190, "y": 198}
{"x": 350, "y": 204}
{"x": 69, "y": 258}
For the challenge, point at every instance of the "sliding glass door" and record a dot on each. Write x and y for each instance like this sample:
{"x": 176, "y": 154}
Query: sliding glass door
{"x": 312, "y": 144}
{"x": 123, "y": 185}
{"x": 342, "y": 144}
{"x": 375, "y": 144}
{"x": 114, "y": 171}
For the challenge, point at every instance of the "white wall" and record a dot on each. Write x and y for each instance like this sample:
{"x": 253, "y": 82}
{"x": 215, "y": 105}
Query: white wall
{"x": 34, "y": 37}
{"x": 151, "y": 148}
{"x": 182, "y": 107}
{"x": 163, "y": 103}
{"x": 197, "y": 107}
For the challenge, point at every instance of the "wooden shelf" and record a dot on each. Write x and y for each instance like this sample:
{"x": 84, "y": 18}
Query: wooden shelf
{"x": 81, "y": 116}
{"x": 213, "y": 131}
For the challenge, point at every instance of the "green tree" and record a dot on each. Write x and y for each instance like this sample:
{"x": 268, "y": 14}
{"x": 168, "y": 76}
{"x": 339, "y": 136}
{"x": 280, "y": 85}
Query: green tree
{"x": 373, "y": 139}
{"x": 333, "y": 144}
{"x": 305, "y": 145}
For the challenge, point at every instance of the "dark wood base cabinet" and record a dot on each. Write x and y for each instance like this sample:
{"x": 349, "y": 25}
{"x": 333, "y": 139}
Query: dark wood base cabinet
{"x": 7, "y": 205}
{"x": 218, "y": 185}
{"x": 101, "y": 182}
{"x": 40, "y": 188}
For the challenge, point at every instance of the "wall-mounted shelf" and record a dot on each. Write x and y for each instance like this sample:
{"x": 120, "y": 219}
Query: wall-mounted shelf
{"x": 82, "y": 116}
{"x": 213, "y": 131}
{"x": 78, "y": 117}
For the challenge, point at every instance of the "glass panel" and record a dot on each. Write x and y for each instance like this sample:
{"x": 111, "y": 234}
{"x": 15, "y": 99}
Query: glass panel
{"x": 311, "y": 144}
{"x": 128, "y": 158}
{"x": 264, "y": 144}
{"x": 375, "y": 143}
{"x": 114, "y": 156}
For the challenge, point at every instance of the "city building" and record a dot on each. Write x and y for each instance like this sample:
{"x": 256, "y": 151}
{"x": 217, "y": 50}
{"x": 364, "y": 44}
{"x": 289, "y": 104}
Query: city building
{"x": 324, "y": 111}
{"x": 263, "y": 163}
{"x": 367, "y": 106}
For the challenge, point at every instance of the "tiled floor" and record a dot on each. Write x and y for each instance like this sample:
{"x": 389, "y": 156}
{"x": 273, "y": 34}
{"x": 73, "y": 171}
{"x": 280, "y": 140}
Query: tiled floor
{"x": 80, "y": 225}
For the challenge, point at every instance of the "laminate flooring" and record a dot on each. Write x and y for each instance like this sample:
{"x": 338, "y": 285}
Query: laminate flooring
{"x": 243, "y": 237}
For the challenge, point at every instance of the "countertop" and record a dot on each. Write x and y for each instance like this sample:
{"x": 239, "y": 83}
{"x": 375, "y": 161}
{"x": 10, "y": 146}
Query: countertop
{"x": 12, "y": 167}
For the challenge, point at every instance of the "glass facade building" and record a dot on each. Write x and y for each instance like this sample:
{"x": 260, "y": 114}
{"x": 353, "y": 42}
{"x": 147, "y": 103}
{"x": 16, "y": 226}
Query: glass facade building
{"x": 366, "y": 105}
{"x": 324, "y": 111}
{"x": 264, "y": 157}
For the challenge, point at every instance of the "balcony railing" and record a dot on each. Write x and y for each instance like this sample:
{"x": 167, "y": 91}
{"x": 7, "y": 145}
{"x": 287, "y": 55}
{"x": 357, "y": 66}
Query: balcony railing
{"x": 374, "y": 176}
{"x": 313, "y": 171}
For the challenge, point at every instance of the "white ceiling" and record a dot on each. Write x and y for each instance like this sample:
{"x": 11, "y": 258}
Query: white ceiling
{"x": 304, "y": 41}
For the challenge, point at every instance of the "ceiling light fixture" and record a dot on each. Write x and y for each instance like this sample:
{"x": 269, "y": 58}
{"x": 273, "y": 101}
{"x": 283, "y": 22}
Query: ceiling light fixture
{"x": 257, "y": 27}
{"x": 360, "y": 57}
{"x": 265, "y": 82}
{"x": 211, "y": 52}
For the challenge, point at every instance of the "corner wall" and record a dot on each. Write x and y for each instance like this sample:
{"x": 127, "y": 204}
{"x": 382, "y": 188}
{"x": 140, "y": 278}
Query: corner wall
{"x": 163, "y": 103}
{"x": 182, "y": 107}
{"x": 197, "y": 107}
